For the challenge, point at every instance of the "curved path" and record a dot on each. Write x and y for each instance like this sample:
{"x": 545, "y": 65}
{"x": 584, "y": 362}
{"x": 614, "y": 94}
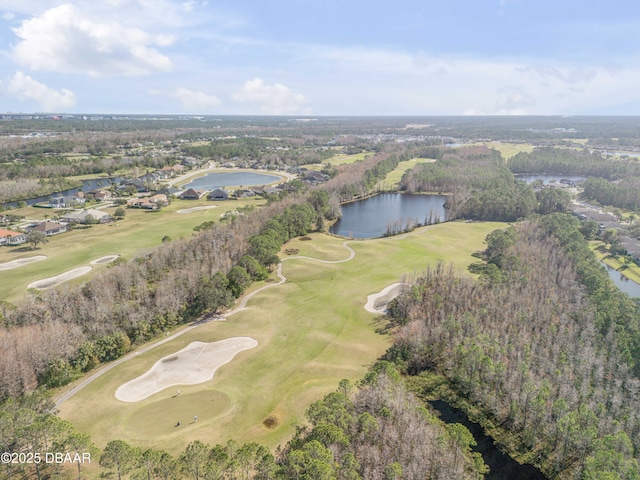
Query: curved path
{"x": 211, "y": 317}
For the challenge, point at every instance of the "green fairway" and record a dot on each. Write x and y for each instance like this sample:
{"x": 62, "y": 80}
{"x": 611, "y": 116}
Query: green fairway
{"x": 312, "y": 331}
{"x": 140, "y": 229}
{"x": 508, "y": 150}
{"x": 392, "y": 180}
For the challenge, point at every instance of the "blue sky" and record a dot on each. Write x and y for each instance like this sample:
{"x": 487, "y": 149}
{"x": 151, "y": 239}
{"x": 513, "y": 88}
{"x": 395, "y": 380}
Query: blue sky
{"x": 321, "y": 57}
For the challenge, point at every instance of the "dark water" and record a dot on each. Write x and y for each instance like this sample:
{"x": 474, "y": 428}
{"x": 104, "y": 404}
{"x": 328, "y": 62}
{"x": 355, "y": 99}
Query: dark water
{"x": 629, "y": 287}
{"x": 501, "y": 465}
{"x": 371, "y": 217}
{"x": 86, "y": 186}
{"x": 211, "y": 181}
{"x": 530, "y": 178}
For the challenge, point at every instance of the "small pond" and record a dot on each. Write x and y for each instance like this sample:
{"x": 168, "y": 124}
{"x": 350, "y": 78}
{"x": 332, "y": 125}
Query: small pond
{"x": 388, "y": 212}
{"x": 211, "y": 181}
{"x": 547, "y": 179}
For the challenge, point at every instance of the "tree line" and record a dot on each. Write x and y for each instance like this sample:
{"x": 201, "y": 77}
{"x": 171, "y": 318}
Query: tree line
{"x": 566, "y": 161}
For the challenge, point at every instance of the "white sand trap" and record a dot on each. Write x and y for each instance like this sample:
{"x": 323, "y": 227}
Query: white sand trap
{"x": 195, "y": 209}
{"x": 106, "y": 259}
{"x": 195, "y": 363}
{"x": 21, "y": 261}
{"x": 377, "y": 303}
{"x": 58, "y": 279}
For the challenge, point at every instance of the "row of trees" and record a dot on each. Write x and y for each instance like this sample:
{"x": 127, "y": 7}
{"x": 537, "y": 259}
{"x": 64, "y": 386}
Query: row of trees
{"x": 532, "y": 350}
{"x": 565, "y": 161}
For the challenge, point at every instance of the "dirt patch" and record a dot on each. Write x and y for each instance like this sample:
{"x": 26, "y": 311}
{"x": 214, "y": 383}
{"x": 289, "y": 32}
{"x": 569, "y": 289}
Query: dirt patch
{"x": 305, "y": 239}
{"x": 271, "y": 422}
{"x": 196, "y": 363}
{"x": 58, "y": 279}
{"x": 21, "y": 261}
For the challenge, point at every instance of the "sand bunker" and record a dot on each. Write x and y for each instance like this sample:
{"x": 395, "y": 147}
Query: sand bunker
{"x": 377, "y": 303}
{"x": 196, "y": 363}
{"x": 195, "y": 209}
{"x": 21, "y": 261}
{"x": 106, "y": 259}
{"x": 58, "y": 279}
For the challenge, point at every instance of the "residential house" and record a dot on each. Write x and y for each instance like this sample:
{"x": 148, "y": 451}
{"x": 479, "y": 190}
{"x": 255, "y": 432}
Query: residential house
{"x": 170, "y": 191}
{"x": 49, "y": 228}
{"x": 9, "y": 237}
{"x": 150, "y": 203}
{"x": 219, "y": 194}
{"x": 85, "y": 216}
{"x": 193, "y": 194}
{"x": 100, "y": 195}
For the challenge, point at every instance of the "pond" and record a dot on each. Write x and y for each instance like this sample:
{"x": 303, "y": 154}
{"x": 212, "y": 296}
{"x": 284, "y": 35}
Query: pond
{"x": 547, "y": 179}
{"x": 501, "y": 465}
{"x": 629, "y": 287}
{"x": 388, "y": 213}
{"x": 214, "y": 180}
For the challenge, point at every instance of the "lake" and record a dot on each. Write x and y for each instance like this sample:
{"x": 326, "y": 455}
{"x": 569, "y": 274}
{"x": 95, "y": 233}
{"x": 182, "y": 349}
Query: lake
{"x": 214, "y": 180}
{"x": 388, "y": 213}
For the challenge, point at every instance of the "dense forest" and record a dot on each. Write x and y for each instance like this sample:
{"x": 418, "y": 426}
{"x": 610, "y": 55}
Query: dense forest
{"x": 477, "y": 182}
{"x": 539, "y": 352}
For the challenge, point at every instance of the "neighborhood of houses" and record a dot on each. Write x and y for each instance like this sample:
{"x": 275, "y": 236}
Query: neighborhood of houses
{"x": 142, "y": 192}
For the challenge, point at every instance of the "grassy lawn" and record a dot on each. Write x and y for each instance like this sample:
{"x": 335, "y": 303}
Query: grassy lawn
{"x": 392, "y": 180}
{"x": 508, "y": 150}
{"x": 342, "y": 158}
{"x": 312, "y": 331}
{"x": 140, "y": 229}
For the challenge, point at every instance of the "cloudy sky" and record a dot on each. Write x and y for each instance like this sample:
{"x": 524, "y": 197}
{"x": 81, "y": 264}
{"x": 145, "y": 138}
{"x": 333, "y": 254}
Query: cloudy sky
{"x": 321, "y": 57}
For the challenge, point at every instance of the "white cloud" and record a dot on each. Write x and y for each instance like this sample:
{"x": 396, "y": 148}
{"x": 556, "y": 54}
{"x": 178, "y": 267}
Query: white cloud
{"x": 50, "y": 100}
{"x": 274, "y": 99}
{"x": 190, "y": 100}
{"x": 64, "y": 39}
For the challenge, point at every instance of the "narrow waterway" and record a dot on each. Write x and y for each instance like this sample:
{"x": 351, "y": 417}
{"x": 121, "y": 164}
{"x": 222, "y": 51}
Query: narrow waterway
{"x": 629, "y": 287}
{"x": 501, "y": 465}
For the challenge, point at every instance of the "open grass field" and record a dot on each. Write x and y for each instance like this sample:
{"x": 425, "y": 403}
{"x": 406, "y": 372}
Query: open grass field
{"x": 508, "y": 150}
{"x": 312, "y": 331}
{"x": 343, "y": 158}
{"x": 140, "y": 229}
{"x": 392, "y": 180}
